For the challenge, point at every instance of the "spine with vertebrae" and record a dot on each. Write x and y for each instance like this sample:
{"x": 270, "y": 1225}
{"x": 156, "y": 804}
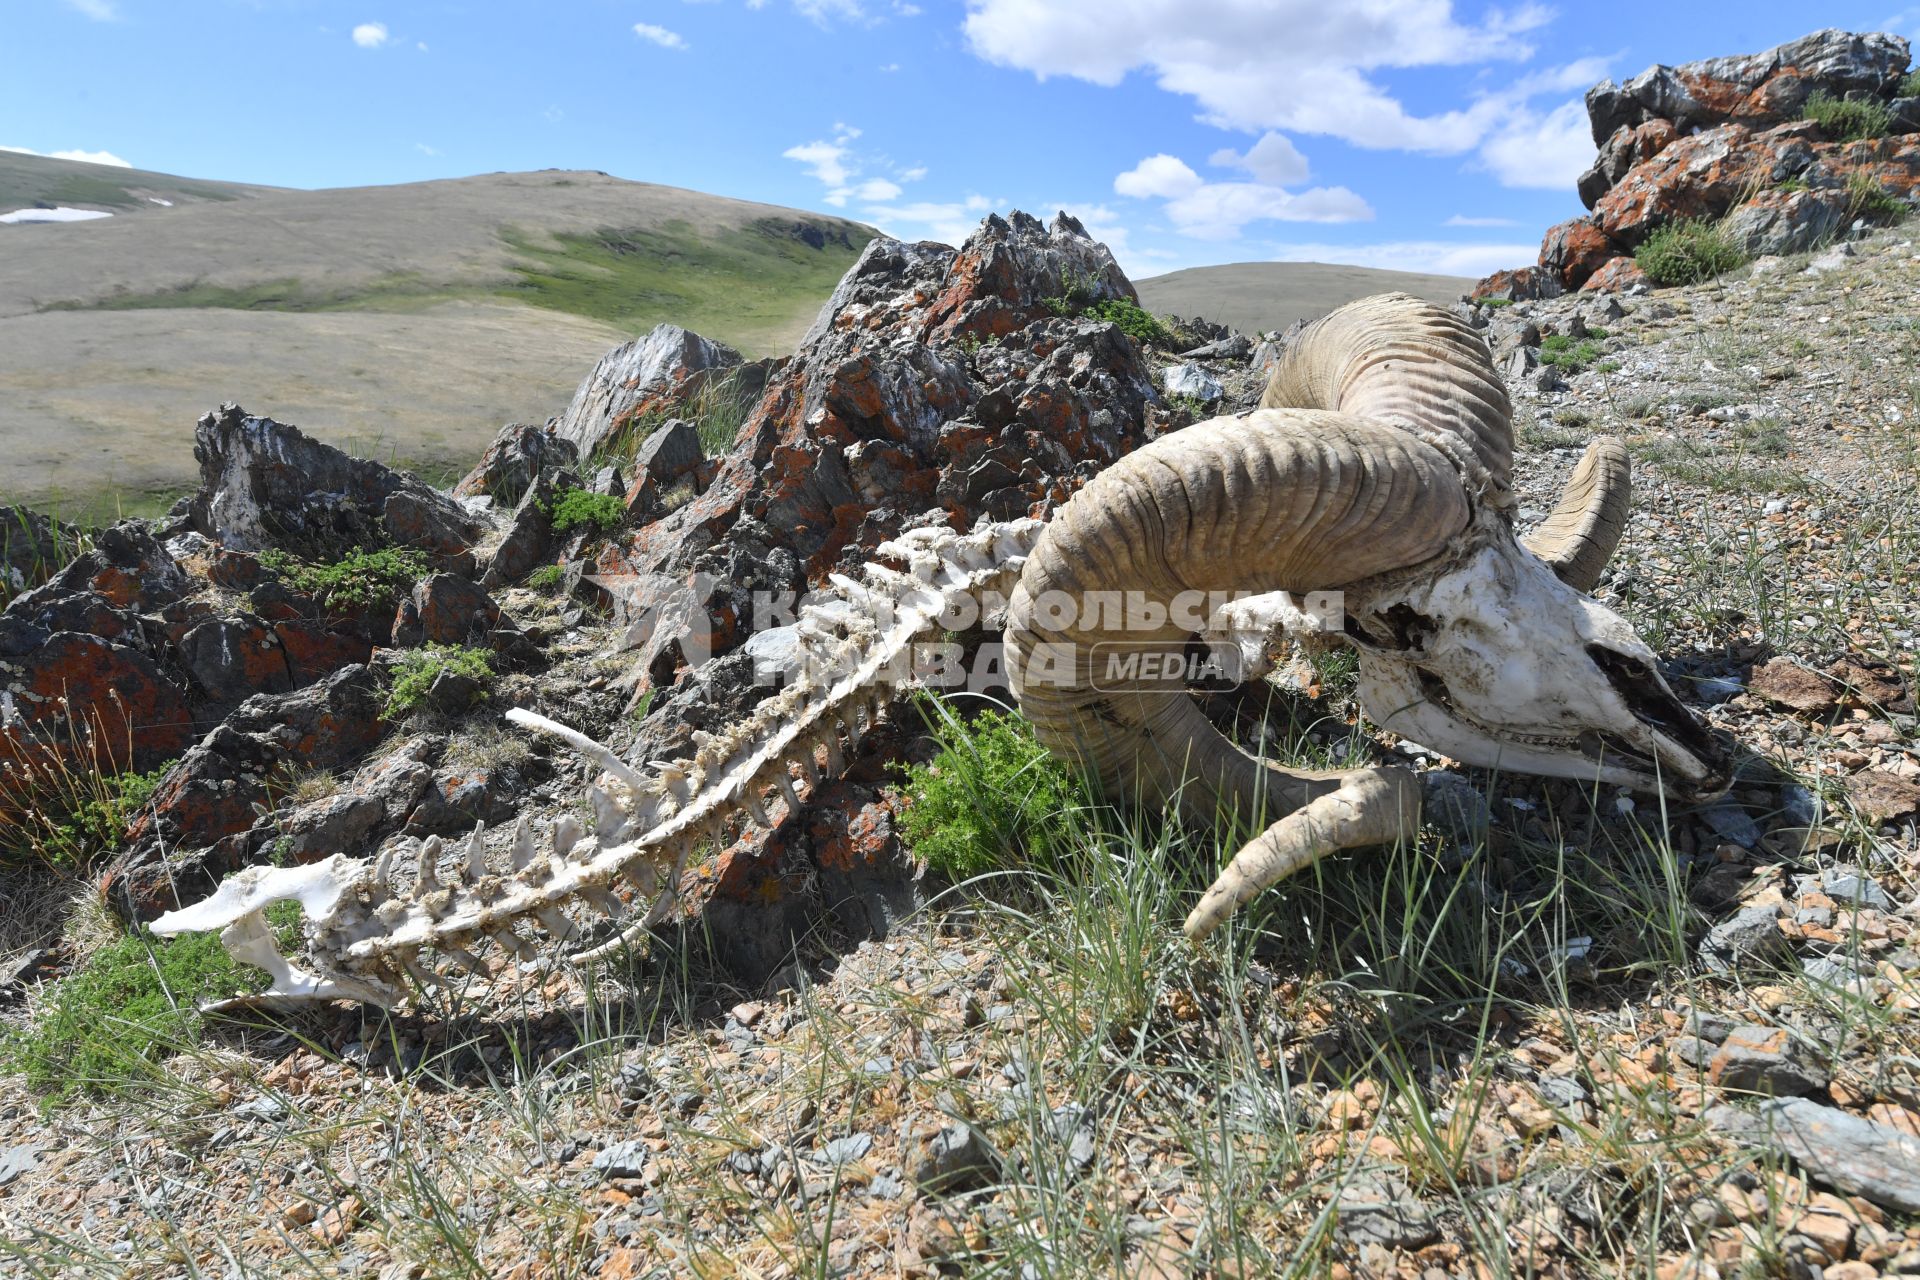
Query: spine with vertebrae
{"x": 367, "y": 939}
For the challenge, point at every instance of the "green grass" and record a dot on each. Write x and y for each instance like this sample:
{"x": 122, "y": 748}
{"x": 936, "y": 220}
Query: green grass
{"x": 1910, "y": 87}
{"x": 35, "y": 558}
{"x": 402, "y": 290}
{"x": 1847, "y": 120}
{"x": 417, "y": 669}
{"x": 547, "y": 577}
{"x": 1866, "y": 198}
{"x": 1570, "y": 356}
{"x": 75, "y": 815}
{"x": 1687, "y": 252}
{"x": 364, "y": 579}
{"x": 993, "y": 798}
{"x": 1131, "y": 318}
{"x": 130, "y": 1002}
{"x": 742, "y": 287}
{"x": 577, "y": 509}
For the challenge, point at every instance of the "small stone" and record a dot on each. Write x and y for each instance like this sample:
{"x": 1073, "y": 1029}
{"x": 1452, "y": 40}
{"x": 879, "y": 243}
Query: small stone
{"x": 623, "y": 1160}
{"x": 845, "y": 1150}
{"x": 1788, "y": 684}
{"x": 1766, "y": 1060}
{"x": 15, "y": 1161}
{"x": 1192, "y": 380}
{"x": 1845, "y": 1152}
{"x": 1845, "y": 884}
{"x": 337, "y": 1223}
{"x": 1383, "y": 1213}
{"x": 956, "y": 1157}
{"x": 1749, "y": 938}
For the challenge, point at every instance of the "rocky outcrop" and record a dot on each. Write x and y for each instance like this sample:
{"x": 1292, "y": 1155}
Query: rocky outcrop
{"x": 264, "y": 484}
{"x": 659, "y": 369}
{"x": 32, "y": 546}
{"x": 1724, "y": 139}
{"x": 517, "y": 455}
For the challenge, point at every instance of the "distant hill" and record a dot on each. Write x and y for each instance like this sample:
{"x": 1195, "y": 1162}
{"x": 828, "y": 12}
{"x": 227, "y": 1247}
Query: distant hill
{"x": 413, "y": 319}
{"x": 1255, "y": 297}
{"x": 26, "y": 181}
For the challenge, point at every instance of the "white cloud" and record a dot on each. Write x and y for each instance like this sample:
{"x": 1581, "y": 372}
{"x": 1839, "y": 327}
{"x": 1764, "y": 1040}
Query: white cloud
{"x": 824, "y": 12}
{"x": 824, "y": 160}
{"x": 426, "y": 150}
{"x": 949, "y": 223}
{"x": 914, "y": 174}
{"x": 85, "y": 157}
{"x": 1463, "y": 220}
{"x": 1162, "y": 175}
{"x": 98, "y": 10}
{"x": 1440, "y": 257}
{"x": 1547, "y": 151}
{"x": 1301, "y": 65}
{"x": 554, "y": 115}
{"x": 370, "y": 35}
{"x": 659, "y": 35}
{"x": 1273, "y": 160}
{"x": 1219, "y": 210}
{"x": 421, "y": 46}
{"x": 889, "y": 68}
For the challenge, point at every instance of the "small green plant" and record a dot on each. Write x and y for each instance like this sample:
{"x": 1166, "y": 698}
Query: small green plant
{"x": 129, "y": 1002}
{"x": 1791, "y": 184}
{"x": 365, "y": 579}
{"x": 1687, "y": 252}
{"x": 1866, "y": 198}
{"x": 547, "y": 577}
{"x": 1564, "y": 353}
{"x": 83, "y": 815}
{"x": 577, "y": 509}
{"x": 1133, "y": 320}
{"x": 993, "y": 797}
{"x": 1495, "y": 303}
{"x": 1910, "y": 87}
{"x": 1846, "y": 119}
{"x": 417, "y": 669}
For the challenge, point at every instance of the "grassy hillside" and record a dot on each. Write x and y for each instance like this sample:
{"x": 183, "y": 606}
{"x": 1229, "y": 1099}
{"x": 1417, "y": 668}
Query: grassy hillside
{"x": 27, "y": 181}
{"x": 410, "y": 320}
{"x": 1254, "y": 297}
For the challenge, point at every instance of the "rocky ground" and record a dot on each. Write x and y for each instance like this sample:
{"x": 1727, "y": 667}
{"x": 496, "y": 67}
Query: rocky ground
{"x": 1569, "y": 1033}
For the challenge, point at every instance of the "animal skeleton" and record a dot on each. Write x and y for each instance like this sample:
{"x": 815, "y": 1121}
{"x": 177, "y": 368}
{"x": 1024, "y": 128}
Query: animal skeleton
{"x": 1378, "y": 465}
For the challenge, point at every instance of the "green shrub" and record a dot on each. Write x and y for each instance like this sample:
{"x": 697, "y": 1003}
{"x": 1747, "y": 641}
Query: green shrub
{"x": 365, "y": 579}
{"x": 993, "y": 797}
{"x": 1845, "y": 119}
{"x": 576, "y": 508}
{"x": 1133, "y": 320}
{"x": 417, "y": 669}
{"x": 107, "y": 1022}
{"x": 73, "y": 816}
{"x": 1866, "y": 198}
{"x": 1687, "y": 252}
{"x": 1495, "y": 303}
{"x": 1910, "y": 87}
{"x": 547, "y": 577}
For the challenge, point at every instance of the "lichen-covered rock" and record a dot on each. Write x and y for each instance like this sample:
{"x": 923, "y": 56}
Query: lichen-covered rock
{"x": 1617, "y": 275}
{"x": 195, "y": 829}
{"x": 518, "y": 454}
{"x": 266, "y": 484}
{"x": 1520, "y": 284}
{"x": 1782, "y": 222}
{"x": 445, "y": 609}
{"x": 653, "y": 371}
{"x": 1574, "y": 250}
{"x": 32, "y": 547}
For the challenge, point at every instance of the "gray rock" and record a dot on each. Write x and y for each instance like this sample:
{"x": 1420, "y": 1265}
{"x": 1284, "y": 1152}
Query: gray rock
{"x": 1731, "y": 822}
{"x": 652, "y": 367}
{"x": 1834, "y": 259}
{"x": 1265, "y": 357}
{"x": 336, "y": 824}
{"x": 1852, "y": 1155}
{"x": 670, "y": 453}
{"x": 1845, "y": 884}
{"x": 1747, "y": 939}
{"x": 1192, "y": 380}
{"x": 1455, "y": 804}
{"x": 1693, "y": 1051}
{"x": 1786, "y": 222}
{"x": 18, "y": 1160}
{"x": 1767, "y": 1060}
{"x": 517, "y": 455}
{"x": 1232, "y": 347}
{"x": 623, "y": 1160}
{"x": 265, "y": 1107}
{"x": 955, "y": 1158}
{"x": 1072, "y": 1126}
{"x": 845, "y": 1150}
{"x": 1383, "y": 1213}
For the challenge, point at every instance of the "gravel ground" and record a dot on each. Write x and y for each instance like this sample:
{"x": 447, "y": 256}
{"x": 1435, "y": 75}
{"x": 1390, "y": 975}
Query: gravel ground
{"x": 1509, "y": 1051}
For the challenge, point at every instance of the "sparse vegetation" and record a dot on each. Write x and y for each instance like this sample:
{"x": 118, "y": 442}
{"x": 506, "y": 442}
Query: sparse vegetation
{"x": 364, "y": 579}
{"x": 1569, "y": 355}
{"x": 1077, "y": 300}
{"x": 1910, "y": 87}
{"x": 578, "y": 509}
{"x": 417, "y": 670}
{"x": 70, "y": 813}
{"x": 1847, "y": 119}
{"x": 1866, "y": 198}
{"x": 547, "y": 577}
{"x": 1687, "y": 252}
{"x": 128, "y": 1004}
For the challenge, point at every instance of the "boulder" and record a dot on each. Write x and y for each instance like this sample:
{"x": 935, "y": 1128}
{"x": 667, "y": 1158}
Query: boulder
{"x": 445, "y": 609}
{"x": 195, "y": 830}
{"x": 1757, "y": 88}
{"x": 1190, "y": 379}
{"x": 1521, "y": 284}
{"x": 266, "y": 484}
{"x": 516, "y": 456}
{"x": 32, "y": 548}
{"x": 231, "y": 659}
{"x": 1618, "y": 275}
{"x": 1574, "y": 250}
{"x": 654, "y": 371}
{"x": 1780, "y": 222}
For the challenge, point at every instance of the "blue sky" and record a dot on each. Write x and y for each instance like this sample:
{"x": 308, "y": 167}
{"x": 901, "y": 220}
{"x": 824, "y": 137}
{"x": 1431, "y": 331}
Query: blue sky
{"x": 1416, "y": 134}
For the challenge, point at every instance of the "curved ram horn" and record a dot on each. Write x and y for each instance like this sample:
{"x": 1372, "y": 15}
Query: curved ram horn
{"x": 1394, "y": 359}
{"x": 1579, "y": 538}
